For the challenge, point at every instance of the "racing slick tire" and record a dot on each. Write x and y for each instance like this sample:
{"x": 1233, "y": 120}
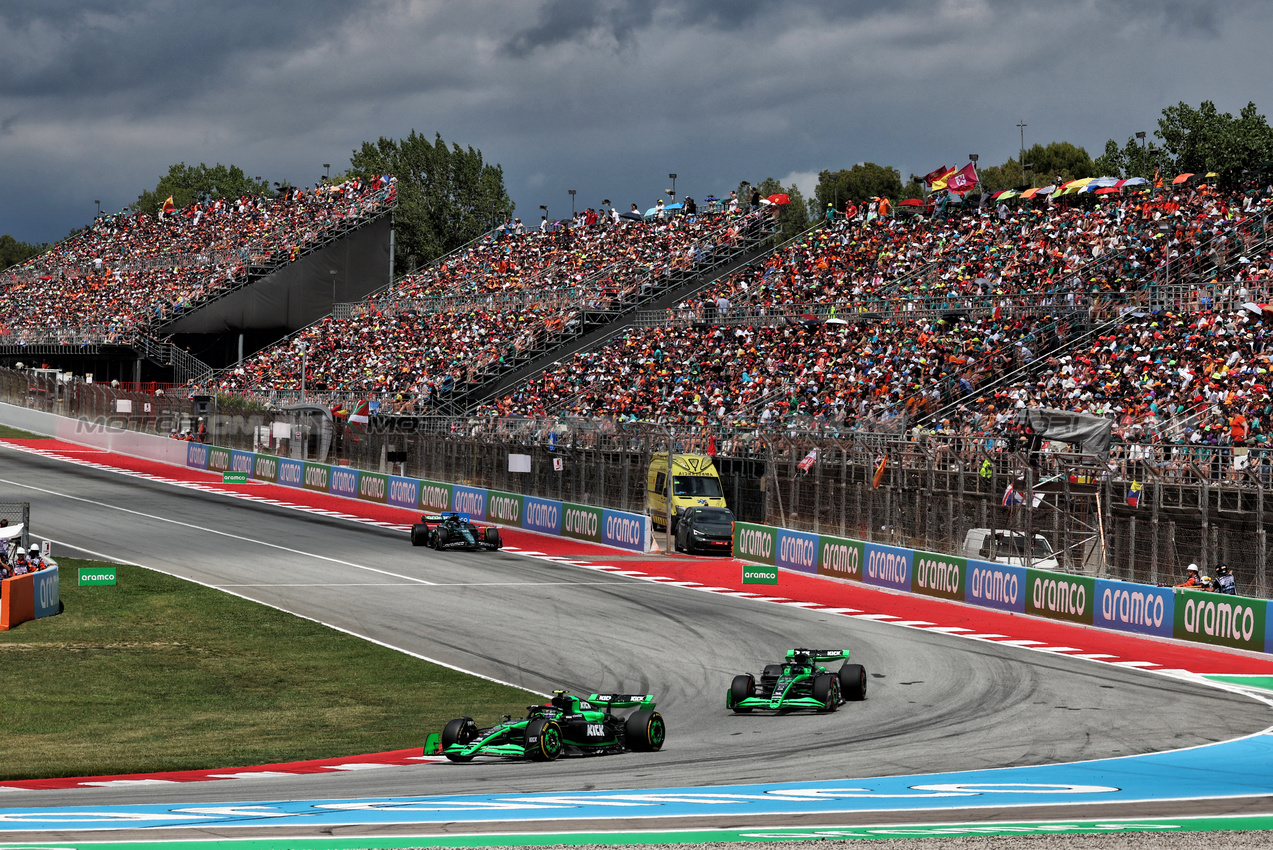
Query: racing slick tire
{"x": 743, "y": 687}
{"x": 826, "y": 690}
{"x": 543, "y": 740}
{"x": 440, "y": 538}
{"x": 419, "y": 535}
{"x": 644, "y": 731}
{"x": 492, "y": 538}
{"x": 461, "y": 730}
{"x": 853, "y": 682}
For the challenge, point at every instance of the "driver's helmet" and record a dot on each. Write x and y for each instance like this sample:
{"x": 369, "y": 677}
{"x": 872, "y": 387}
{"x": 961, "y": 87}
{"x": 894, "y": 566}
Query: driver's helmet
{"x": 802, "y": 659}
{"x": 561, "y": 700}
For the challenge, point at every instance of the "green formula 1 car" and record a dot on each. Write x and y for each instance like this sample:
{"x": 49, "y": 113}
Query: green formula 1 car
{"x": 566, "y": 726}
{"x": 800, "y": 681}
{"x": 452, "y": 530}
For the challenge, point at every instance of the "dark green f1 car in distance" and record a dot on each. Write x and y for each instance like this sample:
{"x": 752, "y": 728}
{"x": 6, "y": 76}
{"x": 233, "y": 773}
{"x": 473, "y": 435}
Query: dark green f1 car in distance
{"x": 453, "y": 530}
{"x": 566, "y": 726}
{"x": 800, "y": 681}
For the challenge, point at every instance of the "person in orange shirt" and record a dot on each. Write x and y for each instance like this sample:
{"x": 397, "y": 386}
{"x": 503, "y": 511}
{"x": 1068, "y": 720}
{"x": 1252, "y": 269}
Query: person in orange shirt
{"x": 1237, "y": 428}
{"x": 1194, "y": 580}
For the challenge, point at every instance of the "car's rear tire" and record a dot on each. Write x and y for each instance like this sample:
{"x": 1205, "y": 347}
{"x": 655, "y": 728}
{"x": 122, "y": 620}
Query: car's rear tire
{"x": 743, "y": 687}
{"x": 826, "y": 690}
{"x": 493, "y": 538}
{"x": 419, "y": 535}
{"x": 853, "y": 682}
{"x": 461, "y": 730}
{"x": 543, "y": 740}
{"x": 644, "y": 731}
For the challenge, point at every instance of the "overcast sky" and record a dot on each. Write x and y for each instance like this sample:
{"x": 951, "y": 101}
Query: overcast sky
{"x": 99, "y": 97}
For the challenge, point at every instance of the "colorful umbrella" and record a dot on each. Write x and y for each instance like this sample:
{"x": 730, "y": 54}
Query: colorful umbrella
{"x": 1078, "y": 184}
{"x": 1131, "y": 181}
{"x": 1107, "y": 190}
{"x": 1005, "y": 194}
{"x": 911, "y": 202}
{"x": 1180, "y": 178}
{"x": 779, "y": 199}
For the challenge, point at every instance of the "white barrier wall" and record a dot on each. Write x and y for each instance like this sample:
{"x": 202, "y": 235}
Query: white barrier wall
{"x": 95, "y": 434}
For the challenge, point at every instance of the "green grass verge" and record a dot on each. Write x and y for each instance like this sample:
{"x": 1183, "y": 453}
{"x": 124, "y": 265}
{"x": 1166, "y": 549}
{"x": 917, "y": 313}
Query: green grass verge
{"x": 7, "y": 433}
{"x": 159, "y": 674}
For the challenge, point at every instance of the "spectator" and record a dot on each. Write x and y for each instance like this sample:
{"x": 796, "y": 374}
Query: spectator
{"x": 1225, "y": 582}
{"x": 1193, "y": 579}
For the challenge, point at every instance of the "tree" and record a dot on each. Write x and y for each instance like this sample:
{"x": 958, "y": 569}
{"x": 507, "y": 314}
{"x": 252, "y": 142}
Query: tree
{"x": 1047, "y": 162}
{"x": 1203, "y": 140}
{"x": 793, "y": 218}
{"x": 13, "y": 252}
{"x": 1134, "y": 159}
{"x": 860, "y": 183}
{"x": 446, "y": 196}
{"x": 188, "y": 184}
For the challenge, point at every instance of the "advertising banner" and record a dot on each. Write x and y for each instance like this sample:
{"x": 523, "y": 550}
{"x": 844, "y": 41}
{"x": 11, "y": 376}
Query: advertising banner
{"x": 218, "y": 459}
{"x": 797, "y": 550}
{"x": 581, "y": 522}
{"x": 48, "y": 596}
{"x": 404, "y": 492}
{"x": 1059, "y": 596}
{"x": 265, "y": 468}
{"x": 373, "y": 487}
{"x": 840, "y": 557}
{"x": 1134, "y": 608}
{"x": 504, "y": 508}
{"x": 97, "y": 576}
{"x": 757, "y": 543}
{"x": 434, "y": 497}
{"x": 291, "y": 473}
{"x": 943, "y": 576}
{"x": 241, "y": 461}
{"x": 469, "y": 500}
{"x": 234, "y": 478}
{"x": 343, "y": 481}
{"x": 759, "y": 574}
{"x": 888, "y": 566}
{"x": 317, "y": 477}
{"x": 196, "y": 456}
{"x": 1219, "y": 618}
{"x": 625, "y": 530}
{"x": 999, "y": 586}
{"x": 541, "y": 515}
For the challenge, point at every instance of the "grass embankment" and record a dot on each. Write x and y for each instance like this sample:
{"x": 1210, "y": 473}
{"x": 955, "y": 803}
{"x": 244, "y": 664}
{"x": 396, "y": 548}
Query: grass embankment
{"x": 159, "y": 674}
{"x": 7, "y": 433}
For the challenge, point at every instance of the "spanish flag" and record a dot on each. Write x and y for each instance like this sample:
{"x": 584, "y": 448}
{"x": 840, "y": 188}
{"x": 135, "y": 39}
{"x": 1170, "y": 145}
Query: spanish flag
{"x": 169, "y": 206}
{"x": 879, "y": 472}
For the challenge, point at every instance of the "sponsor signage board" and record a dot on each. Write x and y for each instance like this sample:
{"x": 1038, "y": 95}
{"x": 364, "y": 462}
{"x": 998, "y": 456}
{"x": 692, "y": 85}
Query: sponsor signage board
{"x": 96, "y": 576}
{"x": 343, "y": 481}
{"x": 434, "y": 496}
{"x": 758, "y": 543}
{"x": 1130, "y": 607}
{"x": 241, "y": 461}
{"x": 542, "y": 515}
{"x": 625, "y": 530}
{"x": 234, "y": 478}
{"x": 504, "y": 508}
{"x": 840, "y": 557}
{"x": 316, "y": 478}
{"x": 1060, "y": 596}
{"x": 291, "y": 473}
{"x": 888, "y": 566}
{"x": 196, "y": 456}
{"x": 759, "y": 574}
{"x": 992, "y": 585}
{"x": 469, "y": 500}
{"x": 797, "y": 550}
{"x": 404, "y": 492}
{"x": 581, "y": 522}
{"x": 218, "y": 459}
{"x": 943, "y": 576}
{"x": 265, "y": 468}
{"x": 1220, "y": 618}
{"x": 373, "y": 487}
{"x": 48, "y": 592}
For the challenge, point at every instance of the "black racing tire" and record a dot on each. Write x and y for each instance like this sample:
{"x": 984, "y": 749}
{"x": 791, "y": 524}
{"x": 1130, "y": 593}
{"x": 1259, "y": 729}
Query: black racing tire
{"x": 853, "y": 682}
{"x": 644, "y": 731}
{"x": 461, "y": 730}
{"x": 743, "y": 687}
{"x": 419, "y": 535}
{"x": 440, "y": 537}
{"x": 543, "y": 740}
{"x": 493, "y": 538}
{"x": 826, "y": 690}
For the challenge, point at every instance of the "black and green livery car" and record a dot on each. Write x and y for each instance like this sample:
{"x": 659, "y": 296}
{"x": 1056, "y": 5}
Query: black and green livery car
{"x": 453, "y": 530}
{"x": 800, "y": 681}
{"x": 566, "y": 726}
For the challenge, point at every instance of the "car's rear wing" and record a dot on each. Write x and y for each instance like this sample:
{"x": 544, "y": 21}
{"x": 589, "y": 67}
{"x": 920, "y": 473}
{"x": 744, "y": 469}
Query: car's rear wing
{"x": 610, "y": 701}
{"x": 819, "y": 655}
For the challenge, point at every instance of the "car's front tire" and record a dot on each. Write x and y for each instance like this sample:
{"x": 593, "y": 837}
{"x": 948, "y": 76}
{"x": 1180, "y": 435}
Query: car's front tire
{"x": 461, "y": 730}
{"x": 493, "y": 538}
{"x": 419, "y": 535}
{"x": 826, "y": 690}
{"x": 853, "y": 682}
{"x": 440, "y": 538}
{"x": 644, "y": 731}
{"x": 543, "y": 740}
{"x": 743, "y": 687}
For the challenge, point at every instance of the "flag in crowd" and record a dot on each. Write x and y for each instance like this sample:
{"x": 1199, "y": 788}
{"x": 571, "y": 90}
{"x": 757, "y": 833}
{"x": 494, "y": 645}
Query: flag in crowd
{"x": 937, "y": 174}
{"x": 962, "y": 180}
{"x": 879, "y": 472}
{"x": 809, "y": 460}
{"x": 1133, "y": 493}
{"x": 1012, "y": 496}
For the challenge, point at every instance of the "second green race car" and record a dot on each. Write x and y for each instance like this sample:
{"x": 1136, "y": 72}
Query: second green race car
{"x": 452, "y": 530}
{"x": 800, "y": 681}
{"x": 566, "y": 726}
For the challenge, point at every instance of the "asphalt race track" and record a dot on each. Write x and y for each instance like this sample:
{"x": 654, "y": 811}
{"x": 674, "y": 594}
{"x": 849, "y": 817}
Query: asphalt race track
{"x": 935, "y": 703}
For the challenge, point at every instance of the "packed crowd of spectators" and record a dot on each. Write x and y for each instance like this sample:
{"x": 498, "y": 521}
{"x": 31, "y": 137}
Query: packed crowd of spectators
{"x": 509, "y": 293}
{"x": 128, "y": 271}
